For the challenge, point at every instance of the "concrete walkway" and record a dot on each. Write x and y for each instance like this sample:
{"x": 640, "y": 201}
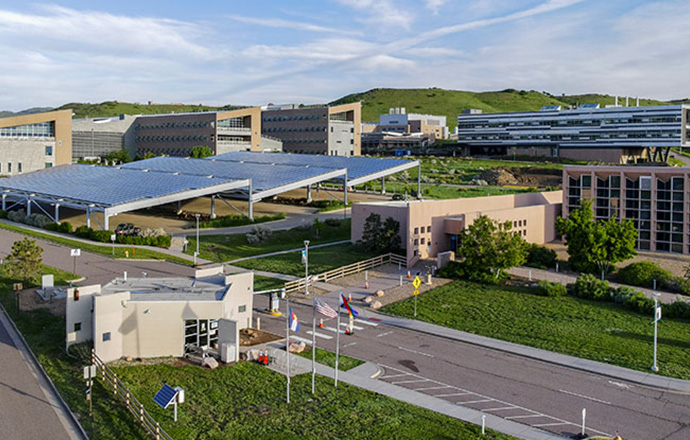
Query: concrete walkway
{"x": 361, "y": 377}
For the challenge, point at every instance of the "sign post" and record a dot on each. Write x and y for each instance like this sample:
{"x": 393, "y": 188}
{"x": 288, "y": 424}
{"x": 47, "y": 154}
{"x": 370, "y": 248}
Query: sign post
{"x": 74, "y": 253}
{"x": 113, "y": 237}
{"x": 416, "y": 283}
{"x": 89, "y": 375}
{"x": 657, "y": 318}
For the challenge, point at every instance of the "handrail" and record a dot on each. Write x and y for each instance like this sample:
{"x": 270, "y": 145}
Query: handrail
{"x": 135, "y": 407}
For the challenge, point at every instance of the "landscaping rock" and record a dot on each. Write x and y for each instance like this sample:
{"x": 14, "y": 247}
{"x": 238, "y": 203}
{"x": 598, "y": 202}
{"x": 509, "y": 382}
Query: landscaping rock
{"x": 376, "y": 305}
{"x": 210, "y": 362}
{"x": 297, "y": 347}
{"x": 369, "y": 299}
{"x": 380, "y": 293}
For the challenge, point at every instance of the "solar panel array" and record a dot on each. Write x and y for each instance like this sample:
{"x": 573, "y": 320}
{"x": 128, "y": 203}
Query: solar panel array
{"x": 105, "y": 186}
{"x": 165, "y": 396}
{"x": 264, "y": 176}
{"x": 357, "y": 167}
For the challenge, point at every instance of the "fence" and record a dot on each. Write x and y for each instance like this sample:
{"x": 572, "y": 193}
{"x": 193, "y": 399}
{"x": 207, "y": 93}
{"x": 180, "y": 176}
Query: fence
{"x": 360, "y": 266}
{"x": 119, "y": 390}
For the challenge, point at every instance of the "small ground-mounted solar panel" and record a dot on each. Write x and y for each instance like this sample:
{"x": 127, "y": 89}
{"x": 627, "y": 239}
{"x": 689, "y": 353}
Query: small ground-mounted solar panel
{"x": 165, "y": 396}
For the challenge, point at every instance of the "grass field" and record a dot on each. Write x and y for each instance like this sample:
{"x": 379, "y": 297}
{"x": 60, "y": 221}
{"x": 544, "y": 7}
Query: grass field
{"x": 107, "y": 250}
{"x": 598, "y": 331}
{"x": 223, "y": 248}
{"x": 247, "y": 401}
{"x": 45, "y": 334}
{"x": 320, "y": 260}
{"x": 266, "y": 283}
{"x": 327, "y": 358}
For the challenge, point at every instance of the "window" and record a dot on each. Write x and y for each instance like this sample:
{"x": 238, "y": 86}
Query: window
{"x": 416, "y": 231}
{"x": 9, "y": 167}
{"x": 49, "y": 164}
{"x": 77, "y": 326}
{"x": 106, "y": 336}
{"x": 416, "y": 241}
{"x": 242, "y": 309}
{"x": 422, "y": 230}
{"x": 19, "y": 167}
{"x": 423, "y": 240}
{"x": 49, "y": 150}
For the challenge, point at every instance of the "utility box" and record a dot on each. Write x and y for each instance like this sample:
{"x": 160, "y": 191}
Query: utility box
{"x": 228, "y": 352}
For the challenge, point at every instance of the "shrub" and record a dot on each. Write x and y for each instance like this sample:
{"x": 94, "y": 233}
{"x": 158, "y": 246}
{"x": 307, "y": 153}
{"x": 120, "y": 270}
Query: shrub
{"x": 459, "y": 271}
{"x": 589, "y": 287}
{"x": 3, "y": 213}
{"x": 100, "y": 236}
{"x": 540, "y": 257}
{"x": 333, "y": 222}
{"x": 678, "y": 309}
{"x": 18, "y": 216}
{"x": 52, "y": 226}
{"x": 38, "y": 220}
{"x": 258, "y": 234}
{"x": 83, "y": 232}
{"x": 65, "y": 227}
{"x": 643, "y": 274}
{"x": 547, "y": 288}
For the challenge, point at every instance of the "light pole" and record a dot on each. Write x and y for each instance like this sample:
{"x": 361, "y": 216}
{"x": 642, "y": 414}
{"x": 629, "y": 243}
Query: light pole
{"x": 196, "y": 254}
{"x": 306, "y": 267}
{"x": 657, "y": 317}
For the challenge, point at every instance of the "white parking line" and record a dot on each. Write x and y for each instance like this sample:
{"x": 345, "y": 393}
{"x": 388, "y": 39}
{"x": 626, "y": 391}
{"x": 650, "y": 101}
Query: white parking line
{"x": 394, "y": 375}
{"x": 451, "y": 394}
{"x": 332, "y": 329}
{"x": 503, "y": 408}
{"x": 410, "y": 381}
{"x": 383, "y": 334}
{"x": 320, "y": 335}
{"x": 356, "y": 327}
{"x": 431, "y": 388}
{"x": 551, "y": 424}
{"x": 527, "y": 416}
{"x": 297, "y": 338}
{"x": 475, "y": 401}
{"x": 593, "y": 399}
{"x": 361, "y": 321}
{"x": 349, "y": 345}
{"x": 416, "y": 352}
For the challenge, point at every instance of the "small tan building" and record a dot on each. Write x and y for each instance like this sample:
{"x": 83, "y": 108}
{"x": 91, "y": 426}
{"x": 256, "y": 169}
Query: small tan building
{"x": 154, "y": 317}
{"x": 428, "y": 227}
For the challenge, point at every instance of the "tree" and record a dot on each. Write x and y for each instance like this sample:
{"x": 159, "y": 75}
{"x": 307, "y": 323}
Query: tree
{"x": 24, "y": 262}
{"x": 119, "y": 156}
{"x": 201, "y": 151}
{"x": 489, "y": 247}
{"x": 595, "y": 246}
{"x": 381, "y": 237}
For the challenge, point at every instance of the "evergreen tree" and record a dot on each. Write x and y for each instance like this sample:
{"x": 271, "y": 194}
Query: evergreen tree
{"x": 24, "y": 263}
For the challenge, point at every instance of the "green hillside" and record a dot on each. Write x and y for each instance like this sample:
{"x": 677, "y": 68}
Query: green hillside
{"x": 115, "y": 108}
{"x": 450, "y": 102}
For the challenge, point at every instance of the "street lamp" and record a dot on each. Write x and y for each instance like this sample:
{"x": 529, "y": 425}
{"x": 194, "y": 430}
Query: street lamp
{"x": 657, "y": 317}
{"x": 306, "y": 267}
{"x": 196, "y": 254}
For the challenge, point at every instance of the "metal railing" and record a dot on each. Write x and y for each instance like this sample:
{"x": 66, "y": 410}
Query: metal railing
{"x": 343, "y": 271}
{"x": 120, "y": 390}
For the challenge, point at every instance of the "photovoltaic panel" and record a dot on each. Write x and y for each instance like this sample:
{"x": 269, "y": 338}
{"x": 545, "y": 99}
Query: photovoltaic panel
{"x": 265, "y": 176}
{"x": 105, "y": 186}
{"x": 165, "y": 396}
{"x": 357, "y": 167}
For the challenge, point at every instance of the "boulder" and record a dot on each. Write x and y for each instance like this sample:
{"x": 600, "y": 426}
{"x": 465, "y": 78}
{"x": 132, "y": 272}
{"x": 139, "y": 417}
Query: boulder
{"x": 379, "y": 293}
{"x": 297, "y": 347}
{"x": 209, "y": 362}
{"x": 376, "y": 305}
{"x": 369, "y": 299}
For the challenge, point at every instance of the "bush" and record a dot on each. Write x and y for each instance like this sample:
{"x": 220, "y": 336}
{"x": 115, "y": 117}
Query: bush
{"x": 333, "y": 222}
{"x": 540, "y": 257}
{"x": 459, "y": 271}
{"x": 38, "y": 220}
{"x": 52, "y": 226}
{"x": 643, "y": 274}
{"x": 100, "y": 236}
{"x": 65, "y": 228}
{"x": 589, "y": 287}
{"x": 554, "y": 290}
{"x": 160, "y": 241}
{"x": 17, "y": 216}
{"x": 258, "y": 234}
{"x": 678, "y": 309}
{"x": 83, "y": 232}
{"x": 3, "y": 214}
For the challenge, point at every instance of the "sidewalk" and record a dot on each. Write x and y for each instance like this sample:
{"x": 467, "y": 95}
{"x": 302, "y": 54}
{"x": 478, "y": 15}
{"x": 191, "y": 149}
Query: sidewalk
{"x": 361, "y": 377}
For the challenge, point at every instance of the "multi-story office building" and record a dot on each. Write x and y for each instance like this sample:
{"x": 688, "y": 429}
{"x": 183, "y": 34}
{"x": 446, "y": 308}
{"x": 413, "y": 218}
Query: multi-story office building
{"x": 98, "y": 137}
{"x": 34, "y": 142}
{"x": 334, "y": 131}
{"x": 613, "y": 134}
{"x": 654, "y": 198}
{"x": 399, "y": 121}
{"x": 223, "y": 132}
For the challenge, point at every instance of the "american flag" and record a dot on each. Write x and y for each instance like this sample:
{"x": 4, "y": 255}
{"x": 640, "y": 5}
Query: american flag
{"x": 324, "y": 309}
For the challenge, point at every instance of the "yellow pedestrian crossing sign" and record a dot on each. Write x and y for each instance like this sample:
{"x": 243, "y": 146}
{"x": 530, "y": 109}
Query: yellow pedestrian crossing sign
{"x": 416, "y": 292}
{"x": 417, "y": 282}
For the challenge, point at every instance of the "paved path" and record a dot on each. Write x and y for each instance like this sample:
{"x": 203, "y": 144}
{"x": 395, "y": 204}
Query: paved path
{"x": 29, "y": 409}
{"x": 566, "y": 278}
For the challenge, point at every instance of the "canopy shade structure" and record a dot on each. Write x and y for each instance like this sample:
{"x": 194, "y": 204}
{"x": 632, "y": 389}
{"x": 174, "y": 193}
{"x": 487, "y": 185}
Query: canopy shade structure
{"x": 359, "y": 169}
{"x": 110, "y": 190}
{"x": 267, "y": 179}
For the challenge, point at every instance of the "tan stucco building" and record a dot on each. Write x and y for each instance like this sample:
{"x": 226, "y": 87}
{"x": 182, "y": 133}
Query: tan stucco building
{"x": 154, "y": 317}
{"x": 428, "y": 227}
{"x": 34, "y": 142}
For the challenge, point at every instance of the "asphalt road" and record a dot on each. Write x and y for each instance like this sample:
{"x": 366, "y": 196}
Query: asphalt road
{"x": 527, "y": 391}
{"x": 97, "y": 269}
{"x": 25, "y": 412}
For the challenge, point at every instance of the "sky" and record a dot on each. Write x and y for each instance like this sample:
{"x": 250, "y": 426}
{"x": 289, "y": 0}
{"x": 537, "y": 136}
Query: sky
{"x": 314, "y": 51}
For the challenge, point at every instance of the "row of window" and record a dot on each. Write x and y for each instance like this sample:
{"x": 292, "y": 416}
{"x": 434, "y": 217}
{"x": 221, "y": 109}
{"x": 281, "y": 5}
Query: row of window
{"x": 293, "y": 118}
{"x": 172, "y": 125}
{"x": 469, "y": 125}
{"x": 41, "y": 129}
{"x": 172, "y": 138}
{"x": 293, "y": 129}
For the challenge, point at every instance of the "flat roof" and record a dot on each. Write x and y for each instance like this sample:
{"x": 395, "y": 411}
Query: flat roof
{"x": 359, "y": 169}
{"x": 113, "y": 189}
{"x": 267, "y": 179}
{"x": 170, "y": 289}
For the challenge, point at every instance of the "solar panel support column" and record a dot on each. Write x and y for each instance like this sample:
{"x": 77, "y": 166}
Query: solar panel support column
{"x": 88, "y": 217}
{"x": 57, "y": 213}
{"x": 345, "y": 189}
{"x": 4, "y": 207}
{"x": 106, "y": 221}
{"x": 383, "y": 185}
{"x": 419, "y": 181}
{"x": 213, "y": 207}
{"x": 309, "y": 194}
{"x": 251, "y": 202}
{"x": 28, "y": 206}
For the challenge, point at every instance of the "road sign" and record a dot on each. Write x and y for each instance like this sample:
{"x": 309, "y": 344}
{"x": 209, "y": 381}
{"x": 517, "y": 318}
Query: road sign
{"x": 658, "y": 314}
{"x": 417, "y": 282}
{"x": 75, "y": 252}
{"x": 416, "y": 292}
{"x": 89, "y": 372}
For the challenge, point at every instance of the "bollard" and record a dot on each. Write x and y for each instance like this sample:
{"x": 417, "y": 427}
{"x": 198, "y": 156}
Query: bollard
{"x": 530, "y": 275}
{"x": 401, "y": 280}
{"x": 258, "y": 323}
{"x": 483, "y": 424}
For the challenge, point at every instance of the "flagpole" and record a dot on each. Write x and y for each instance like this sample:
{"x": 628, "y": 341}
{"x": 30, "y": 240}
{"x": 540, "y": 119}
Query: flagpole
{"x": 337, "y": 347}
{"x": 287, "y": 344}
{"x": 313, "y": 345}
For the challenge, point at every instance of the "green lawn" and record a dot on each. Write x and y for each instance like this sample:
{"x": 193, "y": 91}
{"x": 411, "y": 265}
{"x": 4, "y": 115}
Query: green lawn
{"x": 142, "y": 254}
{"x": 45, "y": 334}
{"x": 327, "y": 358}
{"x": 598, "y": 331}
{"x": 430, "y": 191}
{"x": 223, "y": 248}
{"x": 266, "y": 283}
{"x": 247, "y": 401}
{"x": 320, "y": 260}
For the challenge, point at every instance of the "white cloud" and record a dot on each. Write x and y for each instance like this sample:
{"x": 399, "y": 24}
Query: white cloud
{"x": 388, "y": 13}
{"x": 434, "y": 5}
{"x": 290, "y": 24}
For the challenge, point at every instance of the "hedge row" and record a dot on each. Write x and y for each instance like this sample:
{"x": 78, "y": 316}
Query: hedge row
{"x": 643, "y": 274}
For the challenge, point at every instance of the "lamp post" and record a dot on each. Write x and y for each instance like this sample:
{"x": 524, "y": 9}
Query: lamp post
{"x": 196, "y": 254}
{"x": 306, "y": 267}
{"x": 657, "y": 317}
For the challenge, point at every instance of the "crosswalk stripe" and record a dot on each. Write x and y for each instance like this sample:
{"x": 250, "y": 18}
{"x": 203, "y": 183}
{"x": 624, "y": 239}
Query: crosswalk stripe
{"x": 298, "y": 338}
{"x": 344, "y": 324}
{"x": 320, "y": 335}
{"x": 361, "y": 321}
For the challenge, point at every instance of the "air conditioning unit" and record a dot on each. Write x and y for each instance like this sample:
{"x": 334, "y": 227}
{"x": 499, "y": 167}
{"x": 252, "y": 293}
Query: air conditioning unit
{"x": 228, "y": 352}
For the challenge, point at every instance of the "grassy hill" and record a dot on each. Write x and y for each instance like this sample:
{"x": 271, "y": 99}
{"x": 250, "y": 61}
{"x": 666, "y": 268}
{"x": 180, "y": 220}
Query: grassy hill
{"x": 29, "y": 111}
{"x": 114, "y": 108}
{"x": 449, "y": 102}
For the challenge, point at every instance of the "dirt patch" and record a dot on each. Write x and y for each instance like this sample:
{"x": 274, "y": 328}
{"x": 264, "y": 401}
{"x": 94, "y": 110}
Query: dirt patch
{"x": 522, "y": 176}
{"x": 30, "y": 300}
{"x": 250, "y": 337}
